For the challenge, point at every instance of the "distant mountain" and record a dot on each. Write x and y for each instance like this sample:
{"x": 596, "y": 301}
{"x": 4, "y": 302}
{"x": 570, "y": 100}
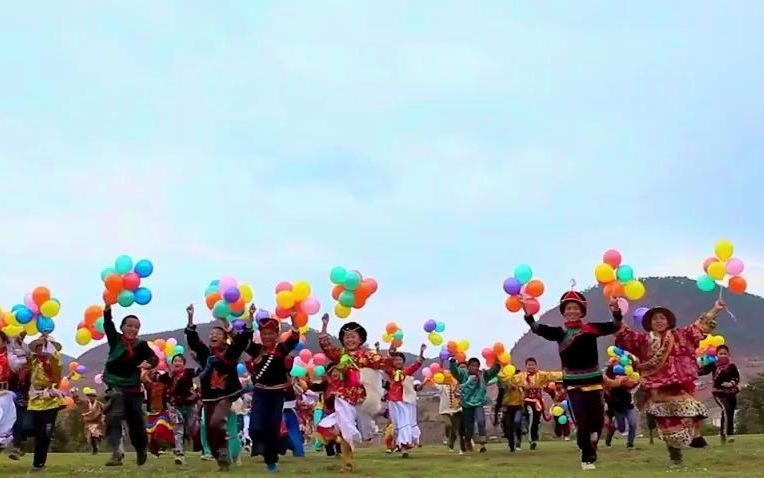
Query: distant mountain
{"x": 744, "y": 334}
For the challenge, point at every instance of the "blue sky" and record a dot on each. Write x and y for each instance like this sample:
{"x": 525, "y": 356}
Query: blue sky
{"x": 433, "y": 147}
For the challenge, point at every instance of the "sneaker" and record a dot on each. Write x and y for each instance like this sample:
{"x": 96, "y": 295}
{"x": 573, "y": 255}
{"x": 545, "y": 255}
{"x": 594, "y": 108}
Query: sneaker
{"x": 533, "y": 445}
{"x": 115, "y": 460}
{"x": 730, "y": 440}
{"x": 142, "y": 457}
{"x": 698, "y": 442}
{"x": 207, "y": 458}
{"x": 461, "y": 452}
{"x": 272, "y": 467}
{"x": 389, "y": 451}
{"x": 405, "y": 454}
{"x": 586, "y": 466}
{"x": 15, "y": 454}
{"x": 180, "y": 460}
{"x": 675, "y": 464}
{"x": 483, "y": 449}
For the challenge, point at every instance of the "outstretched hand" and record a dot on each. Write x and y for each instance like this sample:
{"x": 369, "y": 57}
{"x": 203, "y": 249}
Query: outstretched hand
{"x": 190, "y": 314}
{"x": 252, "y": 310}
{"x": 422, "y": 349}
{"x": 613, "y": 305}
{"x": 720, "y": 304}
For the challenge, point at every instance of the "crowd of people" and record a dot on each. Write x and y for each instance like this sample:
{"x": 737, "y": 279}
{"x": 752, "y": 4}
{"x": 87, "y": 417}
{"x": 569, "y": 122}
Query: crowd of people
{"x": 210, "y": 408}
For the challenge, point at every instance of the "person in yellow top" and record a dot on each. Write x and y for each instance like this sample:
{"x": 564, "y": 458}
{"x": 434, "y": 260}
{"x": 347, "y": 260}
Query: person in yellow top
{"x": 532, "y": 381}
{"x": 510, "y": 403}
{"x": 45, "y": 399}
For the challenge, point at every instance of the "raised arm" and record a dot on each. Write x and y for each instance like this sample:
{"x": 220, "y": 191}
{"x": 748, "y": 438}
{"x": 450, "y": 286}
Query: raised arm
{"x": 334, "y": 354}
{"x": 609, "y": 328}
{"x": 492, "y": 372}
{"x": 192, "y": 338}
{"x": 704, "y": 325}
{"x": 112, "y": 336}
{"x": 417, "y": 364}
{"x": 239, "y": 344}
{"x": 458, "y": 373}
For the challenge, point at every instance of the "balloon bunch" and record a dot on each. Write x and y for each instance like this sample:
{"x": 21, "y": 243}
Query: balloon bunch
{"x": 393, "y": 335}
{"x": 622, "y": 362}
{"x": 34, "y": 316}
{"x": 519, "y": 287}
{"x": 498, "y": 353}
{"x": 295, "y": 300}
{"x": 91, "y": 327}
{"x": 76, "y": 371}
{"x": 434, "y": 329}
{"x": 351, "y": 290}
{"x": 435, "y": 373}
{"x": 165, "y": 350}
{"x": 618, "y": 280}
{"x": 308, "y": 364}
{"x": 559, "y": 412}
{"x": 706, "y": 351}
{"x": 123, "y": 282}
{"x": 721, "y": 265}
{"x": 457, "y": 350}
{"x": 227, "y": 299}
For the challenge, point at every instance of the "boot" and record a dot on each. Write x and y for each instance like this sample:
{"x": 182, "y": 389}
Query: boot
{"x": 675, "y": 455}
{"x": 115, "y": 460}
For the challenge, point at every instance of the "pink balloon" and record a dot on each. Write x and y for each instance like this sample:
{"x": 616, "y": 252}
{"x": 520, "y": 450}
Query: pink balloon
{"x": 623, "y": 304}
{"x": 532, "y": 305}
{"x": 708, "y": 262}
{"x": 227, "y": 283}
{"x": 435, "y": 367}
{"x": 735, "y": 266}
{"x": 306, "y": 355}
{"x": 310, "y": 306}
{"x": 29, "y": 302}
{"x": 487, "y": 352}
{"x": 612, "y": 257}
{"x": 98, "y": 379}
{"x": 427, "y": 372}
{"x": 319, "y": 359}
{"x": 283, "y": 285}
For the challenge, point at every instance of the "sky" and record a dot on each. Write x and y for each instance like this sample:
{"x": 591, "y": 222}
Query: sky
{"x": 431, "y": 145}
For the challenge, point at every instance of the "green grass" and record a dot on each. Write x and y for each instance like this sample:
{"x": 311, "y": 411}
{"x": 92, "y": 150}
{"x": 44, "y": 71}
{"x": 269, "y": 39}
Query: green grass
{"x": 552, "y": 460}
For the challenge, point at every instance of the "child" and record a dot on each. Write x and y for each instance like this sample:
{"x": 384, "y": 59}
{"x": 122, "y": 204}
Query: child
{"x": 401, "y": 400}
{"x": 324, "y": 436}
{"x": 270, "y": 377}
{"x": 560, "y": 399}
{"x": 533, "y": 381}
{"x": 726, "y": 379}
{"x": 128, "y": 355}
{"x": 219, "y": 379}
{"x": 45, "y": 400}
{"x": 159, "y": 426}
{"x": 668, "y": 372}
{"x": 92, "y": 418}
{"x": 620, "y": 408}
{"x": 19, "y": 385}
{"x": 10, "y": 364}
{"x": 180, "y": 402}
{"x": 359, "y": 391}
{"x": 472, "y": 389}
{"x": 580, "y": 367}
{"x": 450, "y": 409}
{"x": 291, "y": 434}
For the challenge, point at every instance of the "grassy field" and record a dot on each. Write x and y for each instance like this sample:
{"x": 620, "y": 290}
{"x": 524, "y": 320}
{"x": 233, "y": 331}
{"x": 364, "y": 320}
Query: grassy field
{"x": 745, "y": 458}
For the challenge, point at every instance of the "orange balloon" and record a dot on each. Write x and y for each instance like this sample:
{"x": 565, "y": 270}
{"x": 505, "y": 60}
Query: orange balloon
{"x": 513, "y": 303}
{"x": 391, "y": 327}
{"x": 737, "y": 284}
{"x": 212, "y": 299}
{"x": 40, "y": 295}
{"x": 363, "y": 290}
{"x": 397, "y": 343}
{"x": 452, "y": 346}
{"x": 238, "y": 306}
{"x": 93, "y": 313}
{"x": 534, "y": 288}
{"x": 337, "y": 290}
{"x": 613, "y": 289}
{"x": 460, "y": 357}
{"x": 113, "y": 283}
{"x": 300, "y": 320}
{"x": 490, "y": 360}
{"x": 498, "y": 348}
{"x": 360, "y": 301}
{"x": 110, "y": 297}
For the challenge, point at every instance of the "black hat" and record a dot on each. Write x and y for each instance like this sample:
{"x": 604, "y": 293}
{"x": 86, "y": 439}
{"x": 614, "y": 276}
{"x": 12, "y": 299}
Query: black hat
{"x": 647, "y": 319}
{"x": 352, "y": 327}
{"x": 573, "y": 296}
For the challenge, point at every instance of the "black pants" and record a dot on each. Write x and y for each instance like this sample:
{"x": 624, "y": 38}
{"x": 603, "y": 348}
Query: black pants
{"x": 44, "y": 422}
{"x": 534, "y": 418}
{"x": 23, "y": 426}
{"x": 588, "y": 410}
{"x": 512, "y": 425}
{"x": 333, "y": 448}
{"x": 128, "y": 407}
{"x": 265, "y": 423}
{"x": 728, "y": 404}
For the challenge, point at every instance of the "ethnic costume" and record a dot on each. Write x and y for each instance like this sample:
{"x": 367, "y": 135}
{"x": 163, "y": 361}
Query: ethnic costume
{"x": 668, "y": 372}
{"x": 19, "y": 385}
{"x": 159, "y": 423}
{"x": 620, "y": 409}
{"x": 472, "y": 390}
{"x": 45, "y": 400}
{"x": 10, "y": 364}
{"x": 532, "y": 384}
{"x": 581, "y": 374}
{"x": 726, "y": 380}
{"x": 450, "y": 408}
{"x": 93, "y": 418}
{"x": 179, "y": 406}
{"x": 401, "y": 404}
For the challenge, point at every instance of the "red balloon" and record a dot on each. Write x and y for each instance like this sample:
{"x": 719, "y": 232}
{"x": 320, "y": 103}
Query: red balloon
{"x": 97, "y": 335}
{"x": 532, "y": 306}
{"x": 131, "y": 281}
{"x": 282, "y": 313}
{"x": 372, "y": 284}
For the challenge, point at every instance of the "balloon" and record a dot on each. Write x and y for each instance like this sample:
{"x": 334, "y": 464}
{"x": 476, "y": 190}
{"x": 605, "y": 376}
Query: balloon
{"x": 435, "y": 367}
{"x": 435, "y": 338}
{"x": 718, "y": 340}
{"x": 444, "y": 354}
{"x": 319, "y": 371}
{"x": 300, "y": 320}
{"x": 523, "y": 273}
{"x": 126, "y": 298}
{"x": 463, "y": 345}
{"x": 623, "y": 304}
{"x": 40, "y": 295}
{"x": 438, "y": 378}
{"x": 737, "y": 285}
{"x": 705, "y": 283}
{"x": 310, "y": 306}
{"x": 285, "y": 299}
{"x": 341, "y": 311}
{"x": 352, "y": 280}
{"x": 604, "y": 273}
{"x": 131, "y": 281}
{"x": 534, "y": 288}
{"x": 708, "y": 262}
{"x": 98, "y": 325}
{"x": 613, "y": 289}
{"x": 508, "y": 370}
{"x": 429, "y": 326}
{"x": 301, "y": 290}
{"x": 142, "y": 296}
{"x": 227, "y": 283}
{"x": 246, "y": 293}
{"x": 143, "y": 268}
{"x": 513, "y": 303}
{"x": 45, "y": 325}
{"x": 337, "y": 275}
{"x": 231, "y": 294}
{"x": 373, "y": 286}
{"x": 716, "y": 270}
{"x": 612, "y": 258}
{"x": 283, "y": 313}
{"x": 426, "y": 372}
{"x": 562, "y": 419}
{"x": 504, "y": 358}
{"x": 81, "y": 369}
{"x": 498, "y": 348}
{"x": 735, "y": 267}
{"x": 387, "y": 338}
{"x": 13, "y": 330}
{"x": 557, "y": 411}
{"x": 109, "y": 297}
{"x": 724, "y": 250}
{"x": 212, "y": 299}
{"x": 114, "y": 283}
{"x": 624, "y": 273}
{"x": 83, "y": 337}
{"x": 98, "y": 379}
{"x": 618, "y": 369}
{"x": 24, "y": 315}
{"x": 298, "y": 371}
{"x": 398, "y": 335}
{"x": 29, "y": 303}
{"x": 50, "y": 308}
{"x": 440, "y": 327}
{"x": 123, "y": 264}
{"x": 221, "y": 310}
{"x": 634, "y": 290}
{"x": 347, "y": 298}
{"x": 532, "y": 306}
{"x": 639, "y": 313}
{"x": 512, "y": 286}
{"x": 92, "y": 313}
{"x": 319, "y": 359}
{"x": 107, "y": 272}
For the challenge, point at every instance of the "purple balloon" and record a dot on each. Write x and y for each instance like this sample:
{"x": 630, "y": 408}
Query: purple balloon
{"x": 430, "y": 325}
{"x": 512, "y": 286}
{"x": 639, "y": 313}
{"x": 231, "y": 295}
{"x": 238, "y": 325}
{"x": 445, "y": 355}
{"x": 262, "y": 314}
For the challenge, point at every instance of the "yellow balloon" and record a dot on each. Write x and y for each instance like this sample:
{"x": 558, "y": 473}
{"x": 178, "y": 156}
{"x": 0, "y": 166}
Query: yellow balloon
{"x": 717, "y": 340}
{"x": 387, "y": 338}
{"x": 300, "y": 290}
{"x": 50, "y": 308}
{"x": 438, "y": 378}
{"x": 635, "y": 376}
{"x": 463, "y": 345}
{"x": 10, "y": 319}
{"x": 83, "y": 336}
{"x": 557, "y": 411}
{"x": 341, "y": 311}
{"x": 724, "y": 250}
{"x": 504, "y": 358}
{"x": 246, "y": 293}
{"x": 435, "y": 338}
{"x": 628, "y": 370}
{"x": 611, "y": 351}
{"x": 604, "y": 273}
{"x": 508, "y": 370}
{"x": 285, "y": 299}
{"x": 304, "y": 329}
{"x": 716, "y": 270}
{"x": 13, "y": 330}
{"x": 634, "y": 290}
{"x": 31, "y": 328}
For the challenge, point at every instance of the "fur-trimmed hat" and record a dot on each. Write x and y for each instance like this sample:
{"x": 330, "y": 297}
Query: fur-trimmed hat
{"x": 647, "y": 319}
{"x": 573, "y": 296}
{"x": 352, "y": 327}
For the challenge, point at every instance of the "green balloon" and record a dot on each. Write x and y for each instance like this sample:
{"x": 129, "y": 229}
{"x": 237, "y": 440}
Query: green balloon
{"x": 398, "y": 335}
{"x": 352, "y": 280}
{"x": 347, "y": 298}
{"x": 221, "y": 310}
{"x": 337, "y": 275}
{"x": 625, "y": 274}
{"x": 126, "y": 298}
{"x": 706, "y": 283}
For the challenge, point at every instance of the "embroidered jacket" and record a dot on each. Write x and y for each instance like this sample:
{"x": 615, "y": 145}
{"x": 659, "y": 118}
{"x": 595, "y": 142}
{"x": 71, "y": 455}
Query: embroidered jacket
{"x": 723, "y": 374}
{"x": 349, "y": 388}
{"x": 398, "y": 378}
{"x": 532, "y": 385}
{"x": 268, "y": 366}
{"x": 219, "y": 378}
{"x": 45, "y": 375}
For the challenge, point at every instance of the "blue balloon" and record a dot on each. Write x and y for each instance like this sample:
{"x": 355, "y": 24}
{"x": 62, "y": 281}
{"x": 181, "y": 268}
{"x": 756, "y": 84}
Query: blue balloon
{"x": 123, "y": 264}
{"x": 565, "y": 405}
{"x": 18, "y": 307}
{"x": 209, "y": 290}
{"x": 618, "y": 351}
{"x": 299, "y": 346}
{"x": 440, "y": 327}
{"x": 144, "y": 268}
{"x": 142, "y": 296}
{"x": 45, "y": 325}
{"x": 241, "y": 369}
{"x": 618, "y": 369}
{"x": 24, "y": 315}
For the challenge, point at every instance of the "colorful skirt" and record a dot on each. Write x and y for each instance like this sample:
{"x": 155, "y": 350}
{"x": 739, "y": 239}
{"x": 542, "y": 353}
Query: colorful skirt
{"x": 159, "y": 427}
{"x": 678, "y": 415}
